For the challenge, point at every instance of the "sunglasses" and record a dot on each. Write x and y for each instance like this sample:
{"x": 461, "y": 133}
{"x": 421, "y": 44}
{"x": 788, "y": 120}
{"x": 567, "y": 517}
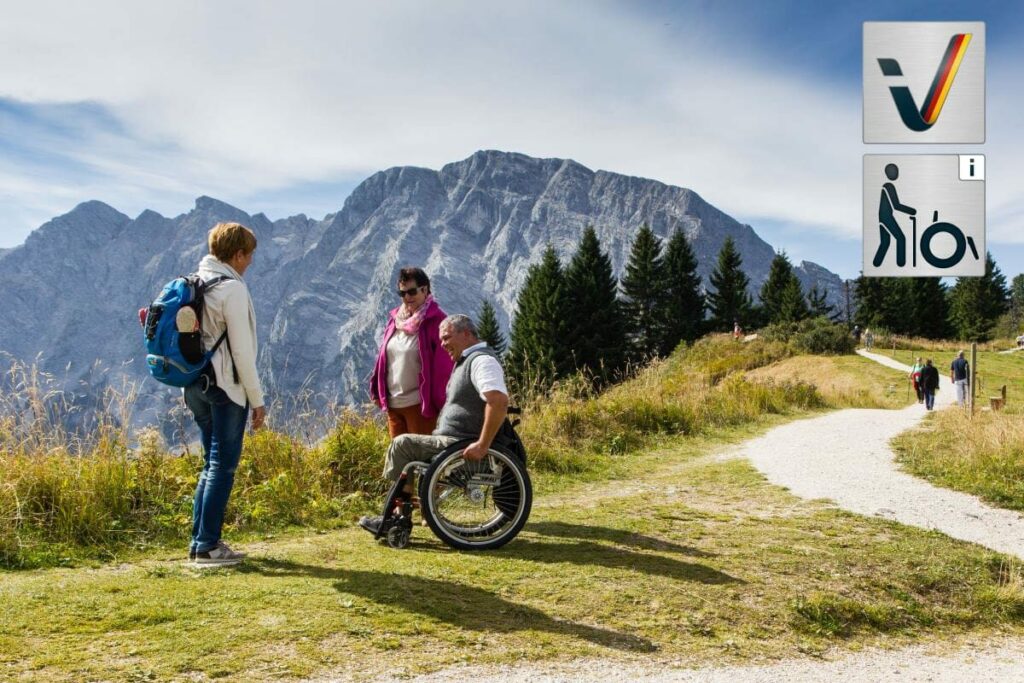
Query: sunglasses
{"x": 409, "y": 292}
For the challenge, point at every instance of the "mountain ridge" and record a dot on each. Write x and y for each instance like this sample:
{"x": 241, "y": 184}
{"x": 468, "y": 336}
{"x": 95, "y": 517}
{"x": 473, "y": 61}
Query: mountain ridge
{"x": 322, "y": 288}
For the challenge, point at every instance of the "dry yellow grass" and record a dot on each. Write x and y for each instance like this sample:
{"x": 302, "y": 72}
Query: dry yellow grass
{"x": 983, "y": 455}
{"x": 843, "y": 381}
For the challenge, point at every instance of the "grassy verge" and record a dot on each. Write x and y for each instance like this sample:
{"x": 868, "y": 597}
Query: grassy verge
{"x": 691, "y": 559}
{"x": 63, "y": 502}
{"x": 983, "y": 456}
{"x": 843, "y": 381}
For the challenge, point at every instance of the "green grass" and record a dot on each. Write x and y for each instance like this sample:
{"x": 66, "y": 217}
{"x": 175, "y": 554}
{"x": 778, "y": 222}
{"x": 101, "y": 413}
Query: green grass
{"x": 984, "y": 454}
{"x": 994, "y": 369}
{"x": 643, "y": 544}
{"x": 691, "y": 559}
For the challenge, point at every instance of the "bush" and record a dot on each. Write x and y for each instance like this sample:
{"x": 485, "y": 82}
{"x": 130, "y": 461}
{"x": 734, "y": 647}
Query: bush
{"x": 814, "y": 336}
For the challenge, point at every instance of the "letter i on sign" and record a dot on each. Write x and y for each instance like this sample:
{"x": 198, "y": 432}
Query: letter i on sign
{"x": 972, "y": 167}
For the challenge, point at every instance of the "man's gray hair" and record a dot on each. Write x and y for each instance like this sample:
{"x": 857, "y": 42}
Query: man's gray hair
{"x": 460, "y": 323}
{"x": 959, "y": 354}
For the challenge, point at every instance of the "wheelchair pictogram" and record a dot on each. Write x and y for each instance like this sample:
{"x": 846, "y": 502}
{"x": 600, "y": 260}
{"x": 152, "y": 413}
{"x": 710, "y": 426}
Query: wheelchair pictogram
{"x": 937, "y": 228}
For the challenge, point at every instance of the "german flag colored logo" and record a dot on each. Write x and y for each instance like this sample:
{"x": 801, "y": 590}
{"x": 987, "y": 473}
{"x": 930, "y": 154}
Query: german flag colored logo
{"x": 925, "y": 117}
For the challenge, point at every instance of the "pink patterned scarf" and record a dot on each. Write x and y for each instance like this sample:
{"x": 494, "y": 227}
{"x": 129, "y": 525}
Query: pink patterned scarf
{"x": 410, "y": 322}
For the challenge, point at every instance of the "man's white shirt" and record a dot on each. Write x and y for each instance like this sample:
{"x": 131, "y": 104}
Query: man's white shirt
{"x": 486, "y": 373}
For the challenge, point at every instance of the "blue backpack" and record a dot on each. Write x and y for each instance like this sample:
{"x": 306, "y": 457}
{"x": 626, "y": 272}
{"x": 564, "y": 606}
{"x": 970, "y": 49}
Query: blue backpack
{"x": 177, "y": 357}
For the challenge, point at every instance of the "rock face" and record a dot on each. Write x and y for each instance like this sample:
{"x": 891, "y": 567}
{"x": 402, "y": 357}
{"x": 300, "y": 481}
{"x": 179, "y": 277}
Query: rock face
{"x": 322, "y": 289}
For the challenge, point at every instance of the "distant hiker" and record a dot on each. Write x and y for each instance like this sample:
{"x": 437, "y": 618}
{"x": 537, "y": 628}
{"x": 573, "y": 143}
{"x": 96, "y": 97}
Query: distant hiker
{"x": 915, "y": 379}
{"x": 929, "y": 384}
{"x": 737, "y": 331}
{"x": 887, "y": 223}
{"x": 476, "y": 405}
{"x": 869, "y": 339}
{"x": 856, "y": 334}
{"x": 221, "y": 398}
{"x": 412, "y": 367}
{"x": 959, "y": 372}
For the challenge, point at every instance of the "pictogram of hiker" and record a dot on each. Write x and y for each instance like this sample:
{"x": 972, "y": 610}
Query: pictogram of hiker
{"x": 887, "y": 223}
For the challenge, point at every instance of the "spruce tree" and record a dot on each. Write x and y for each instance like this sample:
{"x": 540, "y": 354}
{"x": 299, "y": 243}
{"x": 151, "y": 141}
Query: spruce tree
{"x": 643, "y": 289}
{"x": 817, "y": 304}
{"x": 869, "y": 294}
{"x": 683, "y": 307}
{"x": 1016, "y": 304}
{"x": 897, "y": 308}
{"x": 488, "y": 329}
{"x": 729, "y": 302}
{"x": 930, "y": 309}
{"x": 596, "y": 334}
{"x": 538, "y": 353}
{"x": 792, "y": 306}
{"x": 977, "y": 302}
{"x": 780, "y": 275}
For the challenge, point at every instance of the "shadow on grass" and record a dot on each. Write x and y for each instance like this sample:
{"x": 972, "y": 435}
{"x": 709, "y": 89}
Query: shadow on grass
{"x": 585, "y": 532}
{"x": 457, "y": 604}
{"x": 589, "y": 553}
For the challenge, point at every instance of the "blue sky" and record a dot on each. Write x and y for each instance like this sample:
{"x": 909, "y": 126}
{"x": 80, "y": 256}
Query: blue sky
{"x": 283, "y": 108}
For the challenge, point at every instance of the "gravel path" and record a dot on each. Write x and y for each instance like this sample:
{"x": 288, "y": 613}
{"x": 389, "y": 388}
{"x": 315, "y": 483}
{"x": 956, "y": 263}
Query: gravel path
{"x": 845, "y": 456}
{"x": 992, "y": 662}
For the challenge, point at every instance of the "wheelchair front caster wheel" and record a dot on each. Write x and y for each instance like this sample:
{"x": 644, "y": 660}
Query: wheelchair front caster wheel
{"x": 398, "y": 537}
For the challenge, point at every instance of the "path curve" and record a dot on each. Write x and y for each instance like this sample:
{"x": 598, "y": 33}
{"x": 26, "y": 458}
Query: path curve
{"x": 845, "y": 456}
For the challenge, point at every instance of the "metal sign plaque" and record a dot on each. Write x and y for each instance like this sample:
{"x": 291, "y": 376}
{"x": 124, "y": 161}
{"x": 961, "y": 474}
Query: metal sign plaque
{"x": 924, "y": 82}
{"x": 924, "y": 215}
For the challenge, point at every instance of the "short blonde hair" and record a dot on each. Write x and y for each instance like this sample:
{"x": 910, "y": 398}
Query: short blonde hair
{"x": 227, "y": 239}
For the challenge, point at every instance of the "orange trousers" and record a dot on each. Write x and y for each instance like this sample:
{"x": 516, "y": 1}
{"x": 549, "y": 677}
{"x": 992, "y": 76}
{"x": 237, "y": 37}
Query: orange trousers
{"x": 409, "y": 421}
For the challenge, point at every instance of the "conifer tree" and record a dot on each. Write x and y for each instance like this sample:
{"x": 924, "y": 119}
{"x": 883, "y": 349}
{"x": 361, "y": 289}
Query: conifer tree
{"x": 818, "y": 304}
{"x": 977, "y": 302}
{"x": 780, "y": 275}
{"x": 683, "y": 307}
{"x": 730, "y": 302}
{"x": 488, "y": 329}
{"x": 930, "y": 308}
{"x": 538, "y": 353}
{"x": 643, "y": 289}
{"x": 596, "y": 325}
{"x": 792, "y": 306}
{"x": 1017, "y": 302}
{"x": 869, "y": 294}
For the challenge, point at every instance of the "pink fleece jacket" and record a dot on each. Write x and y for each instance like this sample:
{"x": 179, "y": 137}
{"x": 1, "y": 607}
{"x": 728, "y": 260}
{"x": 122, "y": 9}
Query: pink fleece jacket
{"x": 435, "y": 363}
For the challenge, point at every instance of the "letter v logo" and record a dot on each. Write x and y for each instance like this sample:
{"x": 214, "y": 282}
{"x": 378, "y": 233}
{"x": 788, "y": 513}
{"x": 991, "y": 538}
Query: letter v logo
{"x": 925, "y": 118}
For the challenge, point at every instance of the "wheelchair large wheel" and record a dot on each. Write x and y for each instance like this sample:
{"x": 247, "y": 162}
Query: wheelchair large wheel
{"x": 478, "y": 505}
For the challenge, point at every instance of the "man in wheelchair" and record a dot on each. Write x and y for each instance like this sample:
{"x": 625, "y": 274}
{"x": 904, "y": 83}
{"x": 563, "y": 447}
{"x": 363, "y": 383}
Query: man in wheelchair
{"x": 475, "y": 409}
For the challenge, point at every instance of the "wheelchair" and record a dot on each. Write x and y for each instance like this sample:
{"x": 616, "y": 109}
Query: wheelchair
{"x": 470, "y": 505}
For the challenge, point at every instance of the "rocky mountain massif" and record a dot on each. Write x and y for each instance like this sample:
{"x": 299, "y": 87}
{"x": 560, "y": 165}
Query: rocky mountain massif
{"x": 323, "y": 288}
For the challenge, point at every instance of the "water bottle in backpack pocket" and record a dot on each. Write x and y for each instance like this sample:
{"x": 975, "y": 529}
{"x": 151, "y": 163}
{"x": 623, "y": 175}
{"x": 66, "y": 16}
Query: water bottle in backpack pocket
{"x": 172, "y": 334}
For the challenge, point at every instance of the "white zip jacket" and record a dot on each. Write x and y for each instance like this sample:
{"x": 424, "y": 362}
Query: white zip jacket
{"x": 229, "y": 306}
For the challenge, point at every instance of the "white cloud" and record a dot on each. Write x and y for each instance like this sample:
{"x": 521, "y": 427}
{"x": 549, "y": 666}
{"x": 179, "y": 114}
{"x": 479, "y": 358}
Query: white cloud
{"x": 232, "y": 97}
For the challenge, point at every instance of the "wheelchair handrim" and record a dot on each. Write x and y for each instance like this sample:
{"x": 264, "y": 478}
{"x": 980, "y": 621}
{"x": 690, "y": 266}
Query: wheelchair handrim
{"x": 492, "y": 525}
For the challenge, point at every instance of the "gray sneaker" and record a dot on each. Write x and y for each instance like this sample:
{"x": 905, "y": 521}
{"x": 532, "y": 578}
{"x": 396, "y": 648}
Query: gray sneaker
{"x": 220, "y": 556}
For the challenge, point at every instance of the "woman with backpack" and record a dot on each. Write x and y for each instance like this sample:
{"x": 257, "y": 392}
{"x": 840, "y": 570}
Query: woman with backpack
{"x": 221, "y": 398}
{"x": 412, "y": 369}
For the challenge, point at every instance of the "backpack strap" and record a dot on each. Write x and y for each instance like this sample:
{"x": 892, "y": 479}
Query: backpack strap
{"x": 208, "y": 284}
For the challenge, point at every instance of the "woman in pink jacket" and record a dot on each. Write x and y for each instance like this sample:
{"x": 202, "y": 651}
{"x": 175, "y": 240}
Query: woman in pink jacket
{"x": 412, "y": 369}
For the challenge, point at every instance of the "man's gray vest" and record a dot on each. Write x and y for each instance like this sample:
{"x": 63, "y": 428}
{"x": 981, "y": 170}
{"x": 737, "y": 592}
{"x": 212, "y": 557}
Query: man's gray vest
{"x": 463, "y": 413}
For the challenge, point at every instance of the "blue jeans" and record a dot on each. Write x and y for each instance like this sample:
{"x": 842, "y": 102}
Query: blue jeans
{"x": 929, "y": 399}
{"x": 222, "y": 425}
